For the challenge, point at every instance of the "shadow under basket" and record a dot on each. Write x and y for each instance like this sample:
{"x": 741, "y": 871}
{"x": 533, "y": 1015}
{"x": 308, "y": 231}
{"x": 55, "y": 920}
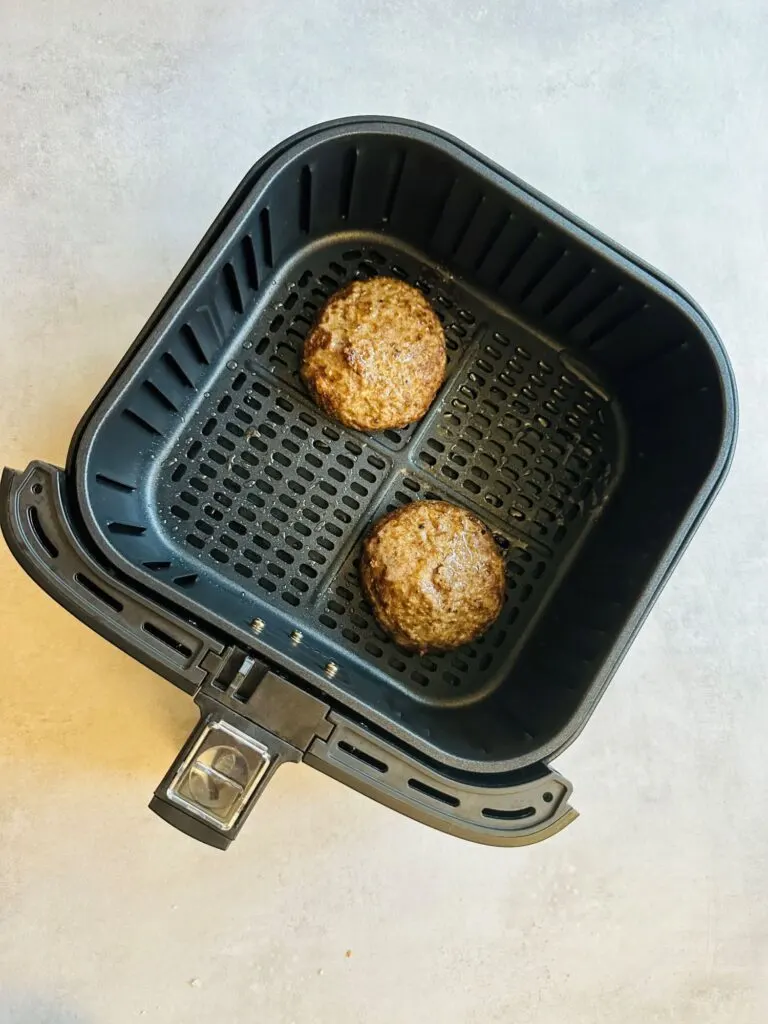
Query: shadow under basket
{"x": 210, "y": 517}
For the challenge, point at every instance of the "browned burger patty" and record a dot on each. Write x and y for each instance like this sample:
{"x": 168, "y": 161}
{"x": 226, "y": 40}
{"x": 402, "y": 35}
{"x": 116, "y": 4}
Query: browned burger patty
{"x": 375, "y": 358}
{"x": 433, "y": 574}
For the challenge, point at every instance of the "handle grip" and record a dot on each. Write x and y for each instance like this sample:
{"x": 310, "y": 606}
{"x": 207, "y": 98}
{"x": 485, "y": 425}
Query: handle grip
{"x": 217, "y": 777}
{"x": 219, "y": 773}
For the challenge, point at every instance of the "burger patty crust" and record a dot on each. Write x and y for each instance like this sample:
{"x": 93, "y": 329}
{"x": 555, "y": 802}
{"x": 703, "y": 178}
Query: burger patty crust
{"x": 375, "y": 358}
{"x": 433, "y": 575}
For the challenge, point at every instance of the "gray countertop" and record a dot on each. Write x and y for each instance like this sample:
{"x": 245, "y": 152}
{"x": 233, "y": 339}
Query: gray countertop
{"x": 122, "y": 131}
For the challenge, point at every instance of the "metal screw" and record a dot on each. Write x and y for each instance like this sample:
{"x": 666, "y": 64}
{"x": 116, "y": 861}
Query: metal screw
{"x": 297, "y": 636}
{"x": 257, "y": 626}
{"x": 331, "y": 669}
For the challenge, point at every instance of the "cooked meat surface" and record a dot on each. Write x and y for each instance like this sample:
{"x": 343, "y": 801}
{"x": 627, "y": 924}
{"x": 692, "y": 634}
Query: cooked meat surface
{"x": 433, "y": 574}
{"x": 375, "y": 358}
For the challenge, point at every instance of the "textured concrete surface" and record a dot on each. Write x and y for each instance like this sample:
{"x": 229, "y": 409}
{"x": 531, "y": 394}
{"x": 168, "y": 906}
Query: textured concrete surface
{"x": 122, "y": 130}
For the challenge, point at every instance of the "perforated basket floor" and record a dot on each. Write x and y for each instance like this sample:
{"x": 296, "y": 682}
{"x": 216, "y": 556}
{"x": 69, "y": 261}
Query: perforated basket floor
{"x": 262, "y": 488}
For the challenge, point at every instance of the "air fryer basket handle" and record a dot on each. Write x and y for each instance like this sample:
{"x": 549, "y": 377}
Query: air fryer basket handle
{"x": 218, "y": 775}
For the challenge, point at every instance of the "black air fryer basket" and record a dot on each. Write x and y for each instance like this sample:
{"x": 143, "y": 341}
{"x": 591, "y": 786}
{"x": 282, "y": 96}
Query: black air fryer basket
{"x": 210, "y": 517}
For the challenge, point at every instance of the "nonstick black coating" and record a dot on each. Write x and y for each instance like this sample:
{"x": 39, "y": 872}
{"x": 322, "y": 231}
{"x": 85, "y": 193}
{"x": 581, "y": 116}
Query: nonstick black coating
{"x": 586, "y": 413}
{"x": 266, "y": 491}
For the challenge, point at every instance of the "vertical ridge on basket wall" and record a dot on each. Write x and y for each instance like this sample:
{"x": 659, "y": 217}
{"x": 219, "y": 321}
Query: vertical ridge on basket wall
{"x": 494, "y": 244}
{"x": 347, "y": 181}
{"x": 573, "y": 272}
{"x": 249, "y": 261}
{"x": 539, "y": 291}
{"x": 265, "y": 227}
{"x": 236, "y": 284}
{"x": 453, "y": 214}
{"x": 600, "y": 336}
{"x": 368, "y": 175}
{"x": 305, "y": 199}
{"x": 162, "y": 399}
{"x": 547, "y": 267}
{"x": 530, "y": 264}
{"x": 182, "y": 374}
{"x": 481, "y": 233}
{"x": 194, "y": 343}
{"x": 394, "y": 187}
{"x": 524, "y": 237}
{"x": 465, "y": 224}
{"x": 280, "y": 218}
{"x": 232, "y": 291}
{"x": 611, "y": 302}
{"x": 416, "y": 194}
{"x": 326, "y": 185}
{"x": 145, "y": 415}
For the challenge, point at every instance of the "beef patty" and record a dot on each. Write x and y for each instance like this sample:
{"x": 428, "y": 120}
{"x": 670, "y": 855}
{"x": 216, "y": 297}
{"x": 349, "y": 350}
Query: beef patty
{"x": 433, "y": 574}
{"x": 375, "y": 358}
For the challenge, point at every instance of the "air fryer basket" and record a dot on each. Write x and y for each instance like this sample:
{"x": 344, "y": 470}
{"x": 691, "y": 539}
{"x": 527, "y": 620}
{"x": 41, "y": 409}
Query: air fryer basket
{"x": 588, "y": 416}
